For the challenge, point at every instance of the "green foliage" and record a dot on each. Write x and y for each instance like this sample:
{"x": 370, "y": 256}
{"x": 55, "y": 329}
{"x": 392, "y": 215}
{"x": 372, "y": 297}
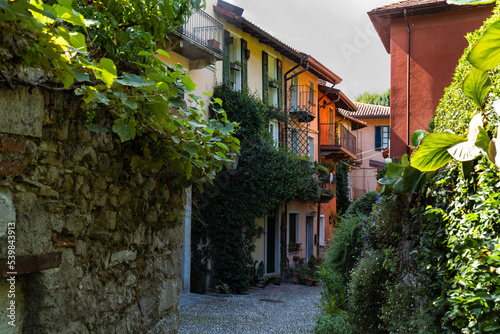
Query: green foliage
{"x": 366, "y": 291}
{"x": 333, "y": 295}
{"x": 334, "y": 323}
{"x": 265, "y": 177}
{"x": 382, "y": 229}
{"x": 363, "y": 205}
{"x": 469, "y": 2}
{"x": 467, "y": 270}
{"x": 342, "y": 187}
{"x": 346, "y": 245}
{"x": 383, "y": 99}
{"x": 401, "y": 312}
{"x": 107, "y": 53}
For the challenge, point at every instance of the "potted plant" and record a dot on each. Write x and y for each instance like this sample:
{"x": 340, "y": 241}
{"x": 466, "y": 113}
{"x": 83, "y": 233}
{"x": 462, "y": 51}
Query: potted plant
{"x": 214, "y": 43}
{"x": 293, "y": 246}
{"x": 236, "y": 65}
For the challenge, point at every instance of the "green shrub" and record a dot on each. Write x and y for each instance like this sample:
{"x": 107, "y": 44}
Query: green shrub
{"x": 333, "y": 295}
{"x": 346, "y": 245}
{"x": 367, "y": 291}
{"x": 382, "y": 229}
{"x": 401, "y": 313}
{"x": 334, "y": 324}
{"x": 363, "y": 204}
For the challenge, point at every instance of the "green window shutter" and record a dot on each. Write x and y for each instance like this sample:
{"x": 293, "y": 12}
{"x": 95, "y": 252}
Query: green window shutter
{"x": 226, "y": 70}
{"x": 265, "y": 78}
{"x": 244, "y": 66}
{"x": 279, "y": 66}
{"x": 378, "y": 138}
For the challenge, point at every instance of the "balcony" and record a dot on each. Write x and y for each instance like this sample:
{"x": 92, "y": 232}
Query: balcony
{"x": 328, "y": 192}
{"x": 302, "y": 103}
{"x": 201, "y": 38}
{"x": 337, "y": 143}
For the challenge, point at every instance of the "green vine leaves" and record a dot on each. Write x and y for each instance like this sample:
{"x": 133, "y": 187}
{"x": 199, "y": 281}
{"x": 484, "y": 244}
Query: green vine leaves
{"x": 108, "y": 53}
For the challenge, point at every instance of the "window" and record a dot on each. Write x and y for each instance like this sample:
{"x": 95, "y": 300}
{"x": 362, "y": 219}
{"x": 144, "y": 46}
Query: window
{"x": 322, "y": 230}
{"x": 274, "y": 132}
{"x": 293, "y": 228}
{"x": 294, "y": 147}
{"x": 273, "y": 80}
{"x": 311, "y": 149}
{"x": 382, "y": 137}
{"x": 235, "y": 59}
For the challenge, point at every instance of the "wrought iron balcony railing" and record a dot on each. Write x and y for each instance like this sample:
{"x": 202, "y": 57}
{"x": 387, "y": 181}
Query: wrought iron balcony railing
{"x": 203, "y": 30}
{"x": 302, "y": 103}
{"x": 337, "y": 134}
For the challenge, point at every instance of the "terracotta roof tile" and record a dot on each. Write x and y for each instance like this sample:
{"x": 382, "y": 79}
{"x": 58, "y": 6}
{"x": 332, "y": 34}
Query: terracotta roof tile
{"x": 408, "y": 4}
{"x": 368, "y": 111}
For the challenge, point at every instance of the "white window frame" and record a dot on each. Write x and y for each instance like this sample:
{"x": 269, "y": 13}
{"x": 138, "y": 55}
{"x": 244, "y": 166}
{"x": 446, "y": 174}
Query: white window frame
{"x": 235, "y": 55}
{"x": 274, "y": 132}
{"x": 321, "y": 231}
{"x": 297, "y": 226}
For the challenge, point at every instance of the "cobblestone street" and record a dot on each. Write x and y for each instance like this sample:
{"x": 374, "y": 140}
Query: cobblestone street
{"x": 287, "y": 308}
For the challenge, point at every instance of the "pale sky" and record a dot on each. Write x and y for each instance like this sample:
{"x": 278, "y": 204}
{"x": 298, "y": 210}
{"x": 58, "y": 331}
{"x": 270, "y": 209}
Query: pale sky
{"x": 338, "y": 33}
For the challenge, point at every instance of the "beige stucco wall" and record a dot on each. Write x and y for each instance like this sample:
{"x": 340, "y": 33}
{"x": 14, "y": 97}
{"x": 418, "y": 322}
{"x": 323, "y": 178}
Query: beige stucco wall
{"x": 363, "y": 177}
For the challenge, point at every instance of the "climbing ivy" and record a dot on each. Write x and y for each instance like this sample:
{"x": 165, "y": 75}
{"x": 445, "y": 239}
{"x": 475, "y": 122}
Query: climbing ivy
{"x": 342, "y": 186}
{"x": 265, "y": 176}
{"x": 108, "y": 53}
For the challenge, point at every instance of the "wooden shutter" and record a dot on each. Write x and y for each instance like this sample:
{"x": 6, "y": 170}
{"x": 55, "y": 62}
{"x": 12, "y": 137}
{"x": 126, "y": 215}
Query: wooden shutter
{"x": 279, "y": 66}
{"x": 265, "y": 78}
{"x": 226, "y": 69}
{"x": 244, "y": 66}
{"x": 378, "y": 138}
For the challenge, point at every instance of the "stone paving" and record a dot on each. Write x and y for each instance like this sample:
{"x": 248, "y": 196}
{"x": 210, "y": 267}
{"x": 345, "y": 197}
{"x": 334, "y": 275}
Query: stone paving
{"x": 285, "y": 308}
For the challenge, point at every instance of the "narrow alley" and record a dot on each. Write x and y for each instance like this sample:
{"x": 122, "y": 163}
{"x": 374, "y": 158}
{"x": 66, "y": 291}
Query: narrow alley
{"x": 285, "y": 308}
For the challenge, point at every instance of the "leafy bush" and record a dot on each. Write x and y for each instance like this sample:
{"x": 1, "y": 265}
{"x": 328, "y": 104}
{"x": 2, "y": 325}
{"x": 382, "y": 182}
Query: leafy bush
{"x": 338, "y": 323}
{"x": 346, "y": 245}
{"x": 402, "y": 314}
{"x": 363, "y": 204}
{"x": 367, "y": 290}
{"x": 333, "y": 295}
{"x": 382, "y": 229}
{"x": 341, "y": 186}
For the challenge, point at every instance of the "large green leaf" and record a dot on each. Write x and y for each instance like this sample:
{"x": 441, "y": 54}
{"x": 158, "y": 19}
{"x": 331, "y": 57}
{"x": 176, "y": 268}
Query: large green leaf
{"x": 485, "y": 55}
{"x": 106, "y": 72}
{"x": 464, "y": 151}
{"x": 432, "y": 152}
{"x": 483, "y": 139}
{"x": 133, "y": 80}
{"x": 469, "y": 2}
{"x": 494, "y": 152}
{"x": 417, "y": 137}
{"x": 125, "y": 131}
{"x": 476, "y": 86}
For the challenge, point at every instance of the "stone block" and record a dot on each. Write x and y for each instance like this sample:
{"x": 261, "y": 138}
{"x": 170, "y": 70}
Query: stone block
{"x": 11, "y": 168}
{"x": 146, "y": 304}
{"x": 12, "y": 145}
{"x": 122, "y": 256}
{"x": 107, "y": 219}
{"x": 169, "y": 293}
{"x": 21, "y": 111}
{"x": 8, "y": 211}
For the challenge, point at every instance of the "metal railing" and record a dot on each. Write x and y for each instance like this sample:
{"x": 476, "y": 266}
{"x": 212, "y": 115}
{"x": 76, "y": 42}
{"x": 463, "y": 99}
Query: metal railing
{"x": 302, "y": 99}
{"x": 205, "y": 30}
{"x": 337, "y": 134}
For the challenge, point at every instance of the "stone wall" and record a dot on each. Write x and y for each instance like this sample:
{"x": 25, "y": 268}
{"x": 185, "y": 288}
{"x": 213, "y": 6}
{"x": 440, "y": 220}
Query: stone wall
{"x": 70, "y": 191}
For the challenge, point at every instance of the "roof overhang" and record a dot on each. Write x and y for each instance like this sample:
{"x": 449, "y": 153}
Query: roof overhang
{"x": 356, "y": 124}
{"x": 315, "y": 67}
{"x": 334, "y": 94}
{"x": 381, "y": 17}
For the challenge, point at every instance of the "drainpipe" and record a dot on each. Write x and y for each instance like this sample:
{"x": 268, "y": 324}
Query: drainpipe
{"x": 407, "y": 86}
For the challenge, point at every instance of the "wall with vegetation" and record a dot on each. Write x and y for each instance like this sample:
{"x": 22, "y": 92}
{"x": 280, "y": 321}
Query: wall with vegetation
{"x": 70, "y": 191}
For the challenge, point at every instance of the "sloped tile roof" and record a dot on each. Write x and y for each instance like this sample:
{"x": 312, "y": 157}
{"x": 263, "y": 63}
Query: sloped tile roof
{"x": 407, "y": 4}
{"x": 369, "y": 111}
